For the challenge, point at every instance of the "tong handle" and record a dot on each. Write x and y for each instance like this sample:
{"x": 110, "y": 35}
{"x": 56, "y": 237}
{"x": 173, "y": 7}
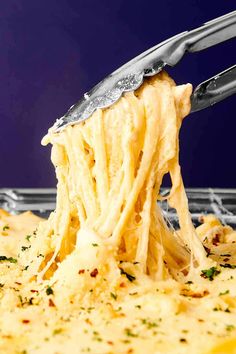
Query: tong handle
{"x": 130, "y": 76}
{"x": 171, "y": 51}
{"x": 214, "y": 90}
{"x": 213, "y": 32}
{"x": 209, "y": 34}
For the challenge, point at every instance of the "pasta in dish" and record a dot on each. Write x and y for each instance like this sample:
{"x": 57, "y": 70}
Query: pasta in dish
{"x": 106, "y": 273}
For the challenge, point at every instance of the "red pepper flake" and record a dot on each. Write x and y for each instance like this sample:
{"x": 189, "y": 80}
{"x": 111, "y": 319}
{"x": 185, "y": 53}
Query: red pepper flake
{"x": 226, "y": 259}
{"x": 16, "y": 282}
{"x": 216, "y": 240}
{"x": 94, "y": 273}
{"x": 199, "y": 295}
{"x": 34, "y": 291}
{"x": 122, "y": 285}
{"x": 110, "y": 342}
{"x": 81, "y": 271}
{"x": 25, "y": 321}
{"x": 51, "y": 303}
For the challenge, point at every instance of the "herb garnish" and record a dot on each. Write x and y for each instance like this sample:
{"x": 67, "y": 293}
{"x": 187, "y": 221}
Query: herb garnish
{"x": 129, "y": 333}
{"x": 114, "y": 296}
{"x": 230, "y": 327}
{"x": 210, "y": 273}
{"x": 149, "y": 324}
{"x": 128, "y": 276}
{"x": 6, "y": 227}
{"x": 49, "y": 290}
{"x": 8, "y": 259}
{"x": 97, "y": 336}
{"x": 24, "y": 248}
{"x": 224, "y": 292}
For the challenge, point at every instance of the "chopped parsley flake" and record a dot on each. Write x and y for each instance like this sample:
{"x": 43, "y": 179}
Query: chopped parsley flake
{"x": 119, "y": 308}
{"x": 149, "y": 324}
{"x": 217, "y": 309}
{"x": 21, "y": 299}
{"x": 6, "y": 227}
{"x": 129, "y": 333}
{"x": 114, "y": 296}
{"x": 94, "y": 244}
{"x": 210, "y": 273}
{"x": 128, "y": 276}
{"x": 224, "y": 292}
{"x": 97, "y": 336}
{"x": 27, "y": 237}
{"x": 230, "y": 327}
{"x": 8, "y": 259}
{"x": 24, "y": 248}
{"x": 125, "y": 341}
{"x": 49, "y": 290}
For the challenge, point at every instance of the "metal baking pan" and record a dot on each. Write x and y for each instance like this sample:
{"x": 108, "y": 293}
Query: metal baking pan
{"x": 221, "y": 202}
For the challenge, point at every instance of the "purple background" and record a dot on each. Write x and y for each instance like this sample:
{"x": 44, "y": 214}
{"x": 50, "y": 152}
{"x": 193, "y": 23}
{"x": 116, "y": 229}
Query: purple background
{"x": 52, "y": 51}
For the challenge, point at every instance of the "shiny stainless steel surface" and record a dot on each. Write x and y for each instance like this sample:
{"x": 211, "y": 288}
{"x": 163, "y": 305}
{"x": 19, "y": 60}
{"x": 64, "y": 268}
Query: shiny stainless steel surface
{"x": 221, "y": 202}
{"x": 131, "y": 75}
{"x": 40, "y": 201}
{"x": 214, "y": 90}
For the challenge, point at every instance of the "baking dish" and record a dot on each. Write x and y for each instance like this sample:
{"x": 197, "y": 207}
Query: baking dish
{"x": 41, "y": 201}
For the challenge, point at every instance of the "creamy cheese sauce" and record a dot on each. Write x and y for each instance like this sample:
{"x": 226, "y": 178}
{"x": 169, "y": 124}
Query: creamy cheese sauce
{"x": 105, "y": 273}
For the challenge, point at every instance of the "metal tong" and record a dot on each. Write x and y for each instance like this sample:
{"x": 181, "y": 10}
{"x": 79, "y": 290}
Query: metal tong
{"x": 130, "y": 76}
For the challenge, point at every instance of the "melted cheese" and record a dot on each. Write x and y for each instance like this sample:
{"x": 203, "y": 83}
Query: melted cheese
{"x": 106, "y": 273}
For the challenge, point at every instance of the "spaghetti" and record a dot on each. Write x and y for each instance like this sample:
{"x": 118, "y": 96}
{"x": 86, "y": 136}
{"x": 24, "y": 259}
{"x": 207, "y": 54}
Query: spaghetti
{"x": 106, "y": 267}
